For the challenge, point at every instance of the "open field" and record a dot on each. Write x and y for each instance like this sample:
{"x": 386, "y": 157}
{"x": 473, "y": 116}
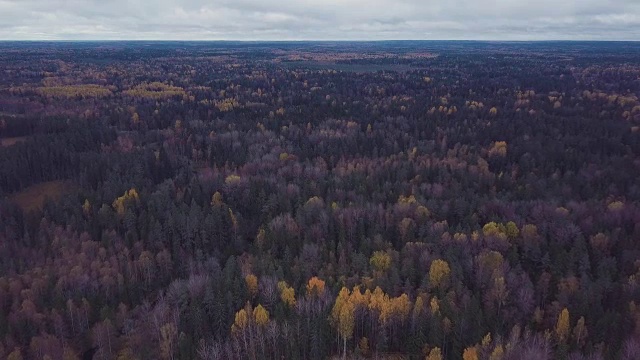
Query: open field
{"x": 12, "y": 140}
{"x": 33, "y": 197}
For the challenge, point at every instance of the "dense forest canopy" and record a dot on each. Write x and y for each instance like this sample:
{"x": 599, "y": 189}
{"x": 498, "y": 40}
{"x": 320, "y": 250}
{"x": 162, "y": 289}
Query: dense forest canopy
{"x": 418, "y": 200}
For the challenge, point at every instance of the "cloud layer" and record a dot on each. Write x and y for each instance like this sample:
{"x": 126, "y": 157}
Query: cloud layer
{"x": 319, "y": 20}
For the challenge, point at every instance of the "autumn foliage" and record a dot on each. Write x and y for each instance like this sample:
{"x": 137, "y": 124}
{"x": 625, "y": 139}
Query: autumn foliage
{"x": 414, "y": 200}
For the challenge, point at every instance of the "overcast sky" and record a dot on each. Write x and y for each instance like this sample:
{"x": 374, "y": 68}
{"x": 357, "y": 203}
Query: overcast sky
{"x": 319, "y": 19}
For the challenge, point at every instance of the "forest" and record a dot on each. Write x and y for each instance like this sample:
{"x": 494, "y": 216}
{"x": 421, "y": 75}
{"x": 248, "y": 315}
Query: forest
{"x": 319, "y": 200}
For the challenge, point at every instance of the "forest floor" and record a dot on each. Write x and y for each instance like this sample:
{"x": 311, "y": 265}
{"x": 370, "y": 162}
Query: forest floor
{"x": 12, "y": 140}
{"x": 34, "y": 196}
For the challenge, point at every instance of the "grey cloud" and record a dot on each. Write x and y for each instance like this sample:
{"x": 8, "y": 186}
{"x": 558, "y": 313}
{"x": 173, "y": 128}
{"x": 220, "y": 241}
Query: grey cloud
{"x": 319, "y": 20}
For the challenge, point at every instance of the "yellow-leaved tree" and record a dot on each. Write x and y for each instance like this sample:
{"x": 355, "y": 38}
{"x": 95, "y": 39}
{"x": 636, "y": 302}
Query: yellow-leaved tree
{"x": 315, "y": 286}
{"x": 241, "y": 324}
{"x": 252, "y": 284}
{"x": 261, "y": 315}
{"x": 119, "y": 203}
{"x": 343, "y": 317}
{"x": 86, "y": 208}
{"x": 434, "y": 305}
{"x": 470, "y": 353}
{"x": 241, "y": 321}
{"x": 499, "y": 148}
{"x": 380, "y": 261}
{"x": 216, "y": 199}
{"x": 438, "y": 273}
{"x": 497, "y": 353}
{"x": 287, "y": 294}
{"x": 435, "y": 354}
{"x": 562, "y": 326}
{"x": 512, "y": 230}
{"x": 418, "y": 307}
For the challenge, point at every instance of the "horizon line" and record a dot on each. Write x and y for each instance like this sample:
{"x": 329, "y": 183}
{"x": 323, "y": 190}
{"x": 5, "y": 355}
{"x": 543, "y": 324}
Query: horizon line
{"x": 317, "y": 40}
{"x": 320, "y": 40}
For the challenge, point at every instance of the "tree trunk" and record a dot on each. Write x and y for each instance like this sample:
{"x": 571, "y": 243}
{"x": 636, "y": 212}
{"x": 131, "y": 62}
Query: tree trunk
{"x": 344, "y": 354}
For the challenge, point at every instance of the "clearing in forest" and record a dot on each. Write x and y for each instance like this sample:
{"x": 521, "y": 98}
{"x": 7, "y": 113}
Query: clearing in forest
{"x": 12, "y": 140}
{"x": 33, "y": 197}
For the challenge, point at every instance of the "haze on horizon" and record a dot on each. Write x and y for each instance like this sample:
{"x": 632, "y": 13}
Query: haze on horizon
{"x": 319, "y": 20}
